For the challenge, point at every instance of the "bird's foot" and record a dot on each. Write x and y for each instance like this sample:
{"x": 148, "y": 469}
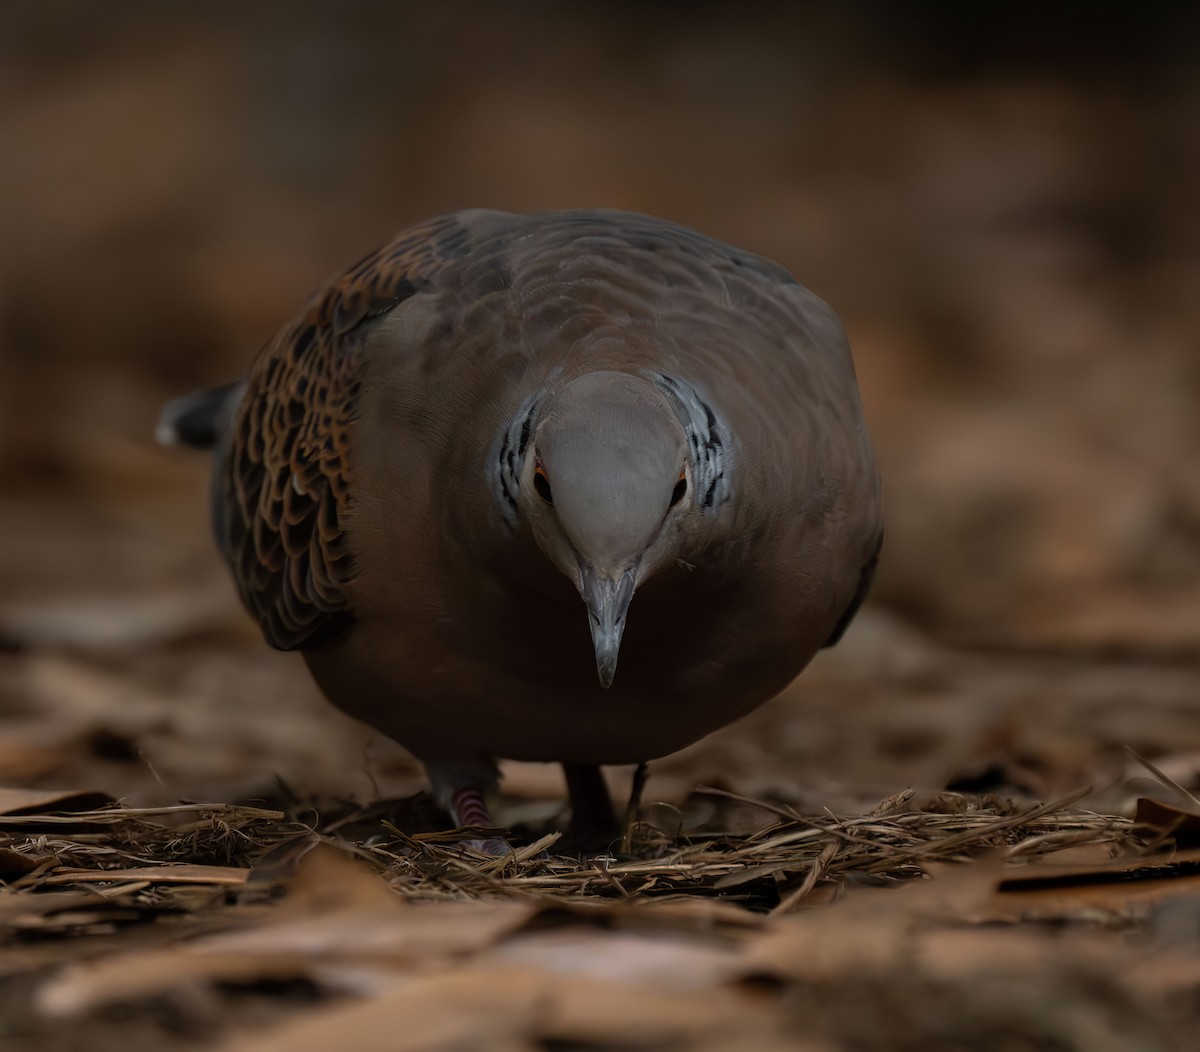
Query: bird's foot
{"x": 492, "y": 846}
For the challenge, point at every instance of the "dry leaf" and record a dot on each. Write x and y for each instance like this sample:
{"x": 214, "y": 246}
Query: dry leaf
{"x": 1083, "y": 901}
{"x": 464, "y": 1009}
{"x": 342, "y": 926}
{"x": 1157, "y": 866}
{"x": 870, "y": 930}
{"x": 328, "y": 879}
{"x": 40, "y": 801}
{"x": 75, "y": 919}
{"x": 15, "y": 904}
{"x": 1118, "y": 887}
{"x": 612, "y": 1014}
{"x": 1182, "y": 825}
{"x": 22, "y": 761}
{"x": 681, "y": 913}
{"x": 488, "y": 1007}
{"x": 662, "y": 961}
{"x": 15, "y": 864}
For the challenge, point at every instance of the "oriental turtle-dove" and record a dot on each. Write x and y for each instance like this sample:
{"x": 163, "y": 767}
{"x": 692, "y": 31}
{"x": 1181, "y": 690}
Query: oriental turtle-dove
{"x": 495, "y": 416}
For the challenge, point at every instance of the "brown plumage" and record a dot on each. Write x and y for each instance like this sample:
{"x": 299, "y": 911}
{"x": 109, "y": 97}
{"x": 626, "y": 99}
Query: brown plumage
{"x": 496, "y": 415}
{"x": 284, "y": 480}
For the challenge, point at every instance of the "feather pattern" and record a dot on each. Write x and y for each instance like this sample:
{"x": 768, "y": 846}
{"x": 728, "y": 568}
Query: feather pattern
{"x": 285, "y": 479}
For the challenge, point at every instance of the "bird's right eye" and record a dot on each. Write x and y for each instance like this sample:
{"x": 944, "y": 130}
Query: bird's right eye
{"x": 680, "y": 488}
{"x": 541, "y": 483}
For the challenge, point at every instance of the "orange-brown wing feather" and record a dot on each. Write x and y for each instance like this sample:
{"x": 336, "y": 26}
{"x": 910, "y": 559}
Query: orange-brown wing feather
{"x": 286, "y": 474}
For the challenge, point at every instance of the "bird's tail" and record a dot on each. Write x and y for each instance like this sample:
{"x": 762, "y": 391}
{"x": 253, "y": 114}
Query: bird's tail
{"x": 198, "y": 419}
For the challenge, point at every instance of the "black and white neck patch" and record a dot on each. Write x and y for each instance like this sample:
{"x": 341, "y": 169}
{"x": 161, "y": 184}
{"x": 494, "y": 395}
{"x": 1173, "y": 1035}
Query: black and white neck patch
{"x": 513, "y": 444}
{"x": 708, "y": 440}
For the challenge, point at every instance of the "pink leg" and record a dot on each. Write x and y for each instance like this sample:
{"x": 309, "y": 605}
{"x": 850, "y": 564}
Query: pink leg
{"x": 460, "y": 787}
{"x": 469, "y": 807}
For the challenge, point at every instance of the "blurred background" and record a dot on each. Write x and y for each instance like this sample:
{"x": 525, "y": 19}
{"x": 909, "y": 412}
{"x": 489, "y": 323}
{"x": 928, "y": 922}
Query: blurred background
{"x": 999, "y": 200}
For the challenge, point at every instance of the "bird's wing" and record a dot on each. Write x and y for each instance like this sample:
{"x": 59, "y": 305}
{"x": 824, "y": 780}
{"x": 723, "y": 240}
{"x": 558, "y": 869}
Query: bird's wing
{"x": 283, "y": 486}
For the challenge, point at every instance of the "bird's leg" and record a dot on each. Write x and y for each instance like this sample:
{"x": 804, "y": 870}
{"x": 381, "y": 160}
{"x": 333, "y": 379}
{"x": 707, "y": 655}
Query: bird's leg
{"x": 640, "y": 774}
{"x": 461, "y": 787}
{"x": 469, "y": 808}
{"x": 592, "y": 815}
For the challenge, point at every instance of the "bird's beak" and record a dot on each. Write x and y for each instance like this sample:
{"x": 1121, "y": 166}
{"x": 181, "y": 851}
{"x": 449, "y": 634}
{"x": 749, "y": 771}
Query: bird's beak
{"x": 607, "y": 600}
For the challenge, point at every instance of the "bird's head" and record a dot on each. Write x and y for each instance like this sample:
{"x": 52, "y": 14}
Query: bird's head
{"x": 605, "y": 487}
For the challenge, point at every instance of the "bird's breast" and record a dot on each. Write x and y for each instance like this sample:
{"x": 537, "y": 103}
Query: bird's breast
{"x": 512, "y": 672}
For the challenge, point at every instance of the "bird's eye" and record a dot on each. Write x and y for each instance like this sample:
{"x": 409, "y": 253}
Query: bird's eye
{"x": 677, "y": 494}
{"x": 542, "y": 484}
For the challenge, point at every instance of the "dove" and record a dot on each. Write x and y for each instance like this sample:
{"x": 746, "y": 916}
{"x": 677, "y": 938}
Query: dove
{"x": 577, "y": 487}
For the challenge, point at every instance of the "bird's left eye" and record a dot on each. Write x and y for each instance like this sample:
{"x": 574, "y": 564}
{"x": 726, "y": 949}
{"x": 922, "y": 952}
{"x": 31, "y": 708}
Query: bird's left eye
{"x": 541, "y": 483}
{"x": 677, "y": 494}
